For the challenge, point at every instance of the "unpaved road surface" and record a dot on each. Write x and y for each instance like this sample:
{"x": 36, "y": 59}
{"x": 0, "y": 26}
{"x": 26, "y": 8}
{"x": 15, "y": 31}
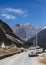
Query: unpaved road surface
{"x": 20, "y": 59}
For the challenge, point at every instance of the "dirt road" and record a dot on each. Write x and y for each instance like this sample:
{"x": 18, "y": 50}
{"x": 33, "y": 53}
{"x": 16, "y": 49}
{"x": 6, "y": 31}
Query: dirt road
{"x": 20, "y": 59}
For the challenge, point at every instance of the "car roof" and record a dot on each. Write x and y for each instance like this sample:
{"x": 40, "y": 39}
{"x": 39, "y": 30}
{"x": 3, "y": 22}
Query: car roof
{"x": 34, "y": 47}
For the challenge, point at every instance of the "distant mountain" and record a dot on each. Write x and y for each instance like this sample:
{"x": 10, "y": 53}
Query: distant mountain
{"x": 25, "y": 32}
{"x": 28, "y": 32}
{"x": 41, "y": 39}
{"x": 44, "y": 27}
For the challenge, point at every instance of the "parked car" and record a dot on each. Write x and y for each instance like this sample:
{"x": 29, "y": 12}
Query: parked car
{"x": 33, "y": 51}
{"x": 37, "y": 48}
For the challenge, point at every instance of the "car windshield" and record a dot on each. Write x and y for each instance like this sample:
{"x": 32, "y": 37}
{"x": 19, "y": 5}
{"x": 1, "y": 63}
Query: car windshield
{"x": 32, "y": 48}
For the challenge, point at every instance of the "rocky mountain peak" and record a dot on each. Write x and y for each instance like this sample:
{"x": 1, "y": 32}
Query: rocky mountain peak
{"x": 25, "y": 31}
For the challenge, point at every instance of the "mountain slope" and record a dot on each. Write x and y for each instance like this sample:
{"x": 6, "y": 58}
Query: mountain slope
{"x": 25, "y": 32}
{"x": 41, "y": 39}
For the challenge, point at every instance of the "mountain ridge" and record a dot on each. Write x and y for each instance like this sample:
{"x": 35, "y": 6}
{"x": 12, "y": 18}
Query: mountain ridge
{"x": 25, "y": 31}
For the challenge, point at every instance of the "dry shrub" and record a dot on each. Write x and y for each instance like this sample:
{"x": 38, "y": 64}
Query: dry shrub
{"x": 43, "y": 59}
{"x": 11, "y": 50}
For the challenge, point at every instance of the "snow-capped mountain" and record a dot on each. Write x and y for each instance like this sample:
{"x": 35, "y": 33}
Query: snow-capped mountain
{"x": 25, "y": 31}
{"x": 44, "y": 27}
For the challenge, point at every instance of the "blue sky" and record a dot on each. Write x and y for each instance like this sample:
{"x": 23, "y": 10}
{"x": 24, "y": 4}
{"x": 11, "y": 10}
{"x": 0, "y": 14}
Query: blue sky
{"x": 23, "y": 11}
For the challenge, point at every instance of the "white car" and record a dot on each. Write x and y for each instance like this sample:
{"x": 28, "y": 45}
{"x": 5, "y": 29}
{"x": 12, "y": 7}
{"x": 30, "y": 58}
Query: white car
{"x": 33, "y": 51}
{"x": 37, "y": 49}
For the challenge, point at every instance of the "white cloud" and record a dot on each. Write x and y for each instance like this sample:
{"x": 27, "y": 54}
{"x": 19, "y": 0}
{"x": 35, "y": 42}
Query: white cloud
{"x": 7, "y": 16}
{"x": 10, "y": 13}
{"x": 17, "y": 11}
{"x": 25, "y": 16}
